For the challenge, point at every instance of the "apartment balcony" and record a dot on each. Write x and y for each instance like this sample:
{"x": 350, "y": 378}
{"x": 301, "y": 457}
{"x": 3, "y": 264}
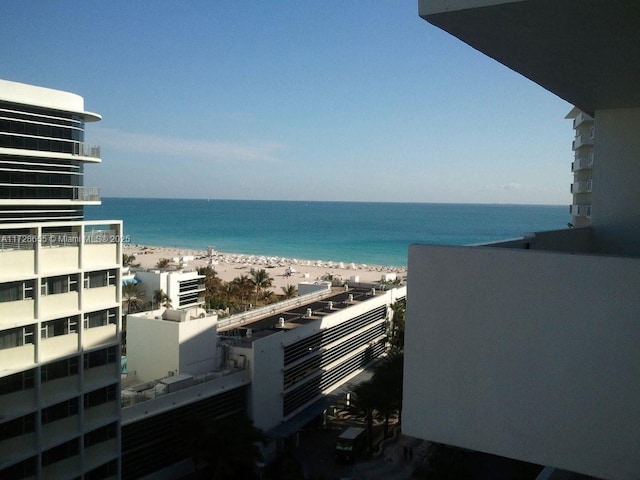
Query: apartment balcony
{"x": 101, "y": 415}
{"x": 18, "y": 357}
{"x": 581, "y": 187}
{"x": 580, "y": 210}
{"x": 582, "y": 163}
{"x": 59, "y": 304}
{"x": 583, "y": 140}
{"x": 16, "y": 447}
{"x": 100, "y": 297}
{"x": 64, "y": 469}
{"x": 582, "y": 118}
{"x": 84, "y": 150}
{"x": 60, "y": 431}
{"x": 101, "y": 376}
{"x": 17, "y": 312}
{"x": 55, "y": 258}
{"x": 16, "y": 404}
{"x": 100, "y": 454}
{"x": 512, "y": 362}
{"x": 86, "y": 194}
{"x": 59, "y": 346}
{"x": 93, "y": 337}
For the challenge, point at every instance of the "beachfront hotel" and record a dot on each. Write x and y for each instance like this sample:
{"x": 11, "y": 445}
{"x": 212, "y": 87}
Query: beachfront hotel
{"x": 529, "y": 349}
{"x": 60, "y": 295}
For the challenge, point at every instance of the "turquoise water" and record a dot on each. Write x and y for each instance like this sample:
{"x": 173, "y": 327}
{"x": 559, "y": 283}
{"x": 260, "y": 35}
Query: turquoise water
{"x": 372, "y": 233}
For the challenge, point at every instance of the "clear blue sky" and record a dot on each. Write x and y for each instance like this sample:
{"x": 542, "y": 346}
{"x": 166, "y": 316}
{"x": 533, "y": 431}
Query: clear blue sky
{"x": 292, "y": 100}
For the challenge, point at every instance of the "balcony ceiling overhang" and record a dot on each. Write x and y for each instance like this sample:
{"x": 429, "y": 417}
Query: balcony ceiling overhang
{"x": 585, "y": 51}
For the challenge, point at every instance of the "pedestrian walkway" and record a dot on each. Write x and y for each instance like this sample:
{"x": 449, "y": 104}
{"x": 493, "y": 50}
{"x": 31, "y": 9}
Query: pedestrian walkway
{"x": 397, "y": 461}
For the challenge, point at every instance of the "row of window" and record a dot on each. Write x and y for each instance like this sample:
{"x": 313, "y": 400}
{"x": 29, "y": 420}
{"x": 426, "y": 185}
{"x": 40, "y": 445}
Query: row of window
{"x": 28, "y": 468}
{"x": 39, "y": 144}
{"x": 37, "y": 114}
{"x": 62, "y": 368}
{"x": 23, "y": 290}
{"x": 19, "y": 336}
{"x": 33, "y": 178}
{"x": 39, "y": 128}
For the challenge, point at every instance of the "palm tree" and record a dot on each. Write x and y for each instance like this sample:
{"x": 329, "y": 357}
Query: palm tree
{"x": 290, "y": 291}
{"x": 127, "y": 260}
{"x": 163, "y": 263}
{"x": 214, "y": 289}
{"x": 243, "y": 287}
{"x": 396, "y": 328}
{"x": 261, "y": 280}
{"x": 133, "y": 295}
{"x": 161, "y": 299}
{"x": 388, "y": 378}
{"x": 363, "y": 400}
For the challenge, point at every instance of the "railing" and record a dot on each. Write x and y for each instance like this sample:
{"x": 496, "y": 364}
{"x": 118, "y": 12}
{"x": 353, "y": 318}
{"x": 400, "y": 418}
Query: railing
{"x": 242, "y": 318}
{"x": 85, "y": 150}
{"x": 101, "y": 236}
{"x": 86, "y": 194}
{"x": 17, "y": 241}
{"x": 582, "y": 139}
{"x": 582, "y": 117}
{"x": 581, "y": 187}
{"x": 580, "y": 210}
{"x": 583, "y": 162}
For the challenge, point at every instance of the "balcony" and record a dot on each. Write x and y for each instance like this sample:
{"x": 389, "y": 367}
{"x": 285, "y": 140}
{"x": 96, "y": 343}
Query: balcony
{"x": 581, "y": 187}
{"x": 582, "y": 118}
{"x": 583, "y": 140}
{"x": 86, "y": 194}
{"x": 580, "y": 210}
{"x": 84, "y": 150}
{"x": 582, "y": 162}
{"x": 512, "y": 361}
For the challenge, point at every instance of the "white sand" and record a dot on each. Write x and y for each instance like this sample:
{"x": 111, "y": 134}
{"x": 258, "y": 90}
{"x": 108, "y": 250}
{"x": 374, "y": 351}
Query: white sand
{"x": 232, "y": 265}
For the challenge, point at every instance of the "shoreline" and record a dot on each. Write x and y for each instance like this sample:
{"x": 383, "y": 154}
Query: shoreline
{"x": 284, "y": 271}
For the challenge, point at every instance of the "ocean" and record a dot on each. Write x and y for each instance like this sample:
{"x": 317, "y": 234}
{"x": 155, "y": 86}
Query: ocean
{"x": 371, "y": 233}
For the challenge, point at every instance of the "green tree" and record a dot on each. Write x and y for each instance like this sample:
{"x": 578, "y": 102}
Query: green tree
{"x": 243, "y": 288}
{"x": 387, "y": 377}
{"x": 261, "y": 281}
{"x": 362, "y": 401}
{"x": 214, "y": 288}
{"x": 396, "y": 324}
{"x": 161, "y": 299}
{"x": 163, "y": 263}
{"x": 290, "y": 291}
{"x": 133, "y": 296}
{"x": 127, "y": 260}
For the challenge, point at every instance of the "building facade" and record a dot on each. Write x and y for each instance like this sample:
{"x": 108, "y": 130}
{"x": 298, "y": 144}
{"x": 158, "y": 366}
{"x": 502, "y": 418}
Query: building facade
{"x": 60, "y": 295}
{"x": 582, "y": 167}
{"x": 529, "y": 349}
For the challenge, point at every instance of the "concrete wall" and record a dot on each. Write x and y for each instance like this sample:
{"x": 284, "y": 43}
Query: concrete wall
{"x": 530, "y": 355}
{"x": 615, "y": 211}
{"x": 265, "y": 402}
{"x": 198, "y": 340}
{"x": 152, "y": 347}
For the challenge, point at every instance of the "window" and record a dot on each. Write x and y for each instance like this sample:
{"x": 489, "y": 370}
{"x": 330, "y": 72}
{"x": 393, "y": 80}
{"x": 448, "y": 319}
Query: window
{"x": 100, "y": 396}
{"x": 60, "y": 326}
{"x": 18, "y": 426}
{"x": 100, "y": 357}
{"x": 14, "y": 291}
{"x": 100, "y": 278}
{"x": 100, "y": 435}
{"x": 56, "y": 454}
{"x": 60, "y": 410}
{"x": 25, "y": 469}
{"x": 16, "y": 337}
{"x": 100, "y": 318}
{"x": 16, "y": 382}
{"x": 61, "y": 284}
{"x": 59, "y": 369}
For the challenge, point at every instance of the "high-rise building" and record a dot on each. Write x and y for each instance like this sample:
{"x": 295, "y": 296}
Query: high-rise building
{"x": 60, "y": 295}
{"x": 529, "y": 349}
{"x": 581, "y": 167}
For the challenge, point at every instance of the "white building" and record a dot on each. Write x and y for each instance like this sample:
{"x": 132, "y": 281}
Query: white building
{"x": 60, "y": 295}
{"x": 171, "y": 342}
{"x": 276, "y": 365}
{"x": 582, "y": 167}
{"x": 529, "y": 349}
{"x": 185, "y": 289}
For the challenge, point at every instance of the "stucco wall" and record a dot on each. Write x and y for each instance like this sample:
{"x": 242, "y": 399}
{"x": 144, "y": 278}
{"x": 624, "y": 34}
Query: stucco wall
{"x": 530, "y": 355}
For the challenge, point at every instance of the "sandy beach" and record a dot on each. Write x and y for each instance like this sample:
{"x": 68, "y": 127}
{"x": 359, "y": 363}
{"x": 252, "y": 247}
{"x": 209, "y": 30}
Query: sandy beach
{"x": 232, "y": 265}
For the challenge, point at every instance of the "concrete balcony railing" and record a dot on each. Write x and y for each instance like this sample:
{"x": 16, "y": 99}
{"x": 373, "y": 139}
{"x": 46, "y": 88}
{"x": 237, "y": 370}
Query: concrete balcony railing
{"x": 581, "y": 187}
{"x": 84, "y": 150}
{"x": 86, "y": 194}
{"x": 582, "y": 140}
{"x": 580, "y": 210}
{"x": 581, "y": 118}
{"x": 526, "y": 354}
{"x": 582, "y": 162}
